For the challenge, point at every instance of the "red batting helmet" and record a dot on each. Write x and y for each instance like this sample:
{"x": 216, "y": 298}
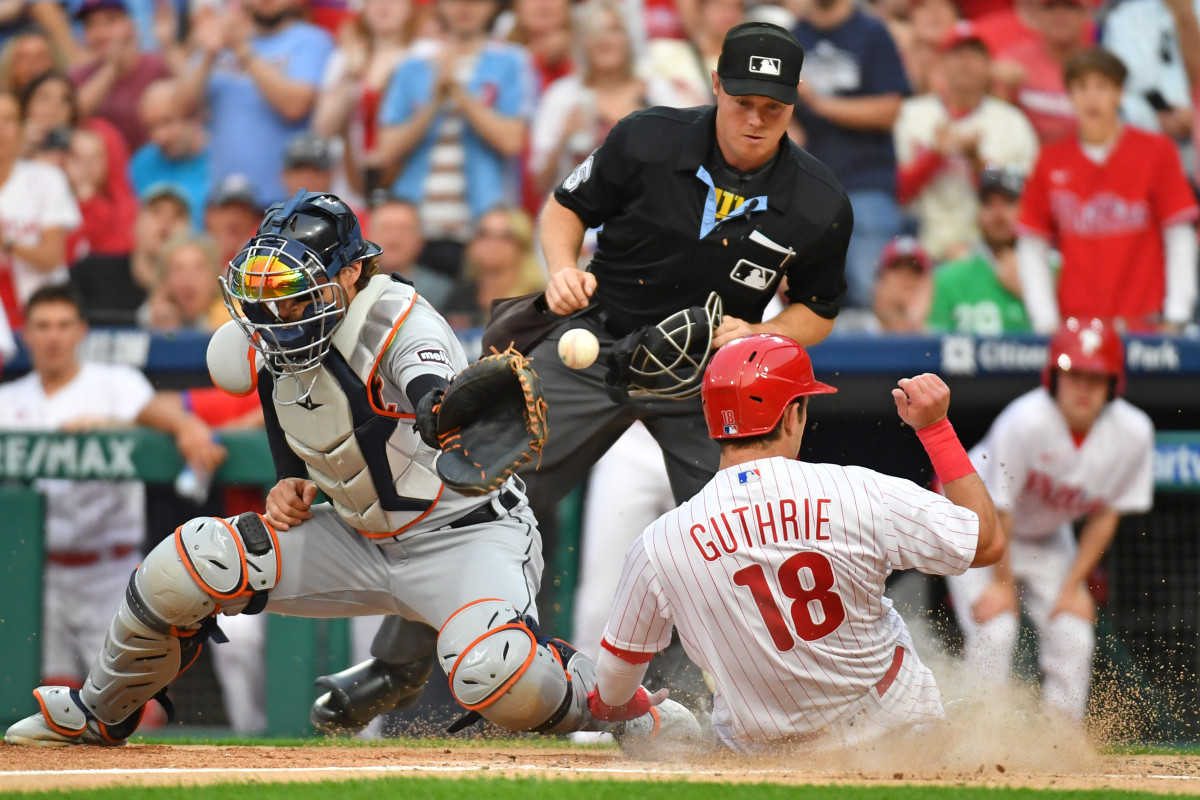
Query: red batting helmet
{"x": 1087, "y": 345}
{"x": 750, "y": 381}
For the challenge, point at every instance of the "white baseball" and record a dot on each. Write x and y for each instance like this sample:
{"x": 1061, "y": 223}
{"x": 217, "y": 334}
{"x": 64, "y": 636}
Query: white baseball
{"x": 578, "y": 348}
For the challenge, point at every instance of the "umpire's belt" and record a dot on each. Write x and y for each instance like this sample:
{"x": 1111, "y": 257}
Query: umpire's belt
{"x": 487, "y": 512}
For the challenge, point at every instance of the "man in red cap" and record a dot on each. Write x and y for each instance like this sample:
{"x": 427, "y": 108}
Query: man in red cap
{"x": 774, "y": 573}
{"x": 1069, "y": 450}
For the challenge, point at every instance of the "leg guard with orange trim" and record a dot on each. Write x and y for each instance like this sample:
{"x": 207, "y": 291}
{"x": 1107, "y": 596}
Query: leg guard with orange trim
{"x": 209, "y": 564}
{"x": 500, "y": 669}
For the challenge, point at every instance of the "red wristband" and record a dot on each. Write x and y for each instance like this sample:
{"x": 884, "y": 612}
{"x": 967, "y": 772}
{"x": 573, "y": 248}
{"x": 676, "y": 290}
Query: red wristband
{"x": 946, "y": 452}
{"x": 637, "y": 706}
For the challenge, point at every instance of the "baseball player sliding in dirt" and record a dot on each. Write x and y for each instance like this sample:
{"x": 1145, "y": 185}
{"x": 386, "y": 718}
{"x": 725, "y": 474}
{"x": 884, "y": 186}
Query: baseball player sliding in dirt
{"x": 774, "y": 573}
{"x": 344, "y": 357}
{"x": 1070, "y": 449}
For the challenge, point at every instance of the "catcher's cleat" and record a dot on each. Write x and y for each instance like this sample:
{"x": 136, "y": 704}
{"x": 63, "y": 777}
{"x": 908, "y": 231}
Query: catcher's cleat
{"x": 64, "y": 721}
{"x": 361, "y": 693}
{"x": 668, "y": 726}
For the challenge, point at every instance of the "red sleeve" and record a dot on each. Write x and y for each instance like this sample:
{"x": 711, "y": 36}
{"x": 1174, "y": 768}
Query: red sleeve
{"x": 119, "y": 198}
{"x": 1034, "y": 215}
{"x": 914, "y": 176}
{"x": 217, "y": 408}
{"x": 1171, "y": 197}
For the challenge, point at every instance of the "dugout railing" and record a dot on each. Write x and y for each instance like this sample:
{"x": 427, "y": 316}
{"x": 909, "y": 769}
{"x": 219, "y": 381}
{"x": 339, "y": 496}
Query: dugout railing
{"x": 1149, "y": 651}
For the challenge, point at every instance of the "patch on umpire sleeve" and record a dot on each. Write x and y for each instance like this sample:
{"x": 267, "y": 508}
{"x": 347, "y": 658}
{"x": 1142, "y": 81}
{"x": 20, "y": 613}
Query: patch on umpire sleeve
{"x": 434, "y": 355}
{"x": 580, "y": 173}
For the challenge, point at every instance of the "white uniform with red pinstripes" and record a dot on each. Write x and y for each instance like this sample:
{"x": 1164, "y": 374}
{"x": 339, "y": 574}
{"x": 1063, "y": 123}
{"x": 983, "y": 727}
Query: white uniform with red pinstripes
{"x": 774, "y": 575}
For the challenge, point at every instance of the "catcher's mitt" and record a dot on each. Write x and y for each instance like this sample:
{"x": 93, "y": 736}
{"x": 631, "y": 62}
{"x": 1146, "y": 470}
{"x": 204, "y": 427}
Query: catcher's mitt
{"x": 490, "y": 421}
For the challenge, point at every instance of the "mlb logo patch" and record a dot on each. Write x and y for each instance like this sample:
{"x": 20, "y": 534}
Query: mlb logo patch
{"x": 749, "y": 476}
{"x": 755, "y": 276}
{"x": 729, "y": 430}
{"x": 764, "y": 65}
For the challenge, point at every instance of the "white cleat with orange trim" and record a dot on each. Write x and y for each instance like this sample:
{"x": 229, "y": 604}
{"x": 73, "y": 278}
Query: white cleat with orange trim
{"x": 64, "y": 721}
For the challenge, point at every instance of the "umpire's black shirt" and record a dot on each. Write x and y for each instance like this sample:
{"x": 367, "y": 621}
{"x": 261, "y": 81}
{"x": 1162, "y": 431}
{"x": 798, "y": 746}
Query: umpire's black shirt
{"x": 678, "y": 222}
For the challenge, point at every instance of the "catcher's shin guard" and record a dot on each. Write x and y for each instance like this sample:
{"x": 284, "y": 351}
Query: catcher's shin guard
{"x": 499, "y": 668}
{"x": 357, "y": 695}
{"x": 169, "y": 608}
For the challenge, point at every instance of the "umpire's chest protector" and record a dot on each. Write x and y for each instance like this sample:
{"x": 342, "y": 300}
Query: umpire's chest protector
{"x": 353, "y": 432}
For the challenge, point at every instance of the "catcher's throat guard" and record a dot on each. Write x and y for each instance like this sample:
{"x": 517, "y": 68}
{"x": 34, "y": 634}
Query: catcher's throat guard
{"x": 667, "y": 359}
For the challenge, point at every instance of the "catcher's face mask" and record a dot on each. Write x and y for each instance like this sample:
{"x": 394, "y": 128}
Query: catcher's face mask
{"x": 669, "y": 359}
{"x": 289, "y": 310}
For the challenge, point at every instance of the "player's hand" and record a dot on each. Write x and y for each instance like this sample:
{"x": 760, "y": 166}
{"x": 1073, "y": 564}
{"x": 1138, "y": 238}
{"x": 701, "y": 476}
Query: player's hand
{"x": 569, "y": 290}
{"x": 730, "y": 328}
{"x": 289, "y": 501}
{"x": 998, "y": 598}
{"x": 1077, "y": 601}
{"x": 922, "y": 400}
{"x": 638, "y": 705}
{"x": 199, "y": 448}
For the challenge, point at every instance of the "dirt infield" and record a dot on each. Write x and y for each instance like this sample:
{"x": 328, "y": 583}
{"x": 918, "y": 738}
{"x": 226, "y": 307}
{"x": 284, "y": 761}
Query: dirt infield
{"x": 88, "y": 767}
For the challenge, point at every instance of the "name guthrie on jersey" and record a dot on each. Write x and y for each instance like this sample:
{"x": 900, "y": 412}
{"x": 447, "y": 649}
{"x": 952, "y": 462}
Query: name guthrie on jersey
{"x": 781, "y": 518}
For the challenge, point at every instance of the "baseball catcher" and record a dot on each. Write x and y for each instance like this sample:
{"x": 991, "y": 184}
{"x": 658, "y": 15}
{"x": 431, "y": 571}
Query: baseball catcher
{"x": 363, "y": 385}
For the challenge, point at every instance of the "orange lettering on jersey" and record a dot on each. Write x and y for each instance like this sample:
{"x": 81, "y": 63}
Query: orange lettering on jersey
{"x": 741, "y": 512}
{"x": 821, "y": 503}
{"x": 732, "y": 545}
{"x": 787, "y": 513}
{"x": 769, "y": 522}
{"x": 708, "y": 550}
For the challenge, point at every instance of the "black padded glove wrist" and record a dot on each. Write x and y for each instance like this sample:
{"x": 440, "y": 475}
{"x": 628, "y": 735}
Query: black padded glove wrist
{"x": 426, "y": 422}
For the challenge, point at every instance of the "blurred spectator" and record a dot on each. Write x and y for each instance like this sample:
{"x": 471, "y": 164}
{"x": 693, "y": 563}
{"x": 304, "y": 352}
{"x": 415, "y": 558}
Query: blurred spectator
{"x": 49, "y": 16}
{"x": 106, "y": 202}
{"x": 1142, "y": 34}
{"x": 92, "y": 528}
{"x": 177, "y": 150}
{"x": 452, "y": 123}
{"x": 931, "y": 21}
{"x": 395, "y": 225}
{"x": 1116, "y": 204}
{"x": 111, "y": 86}
{"x": 1030, "y": 73}
{"x": 850, "y": 94}
{"x": 259, "y": 67}
{"x": 186, "y": 293}
{"x": 499, "y": 263}
{"x": 26, "y": 56}
{"x": 8, "y": 344}
{"x": 903, "y": 289}
{"x": 164, "y": 214}
{"x": 37, "y": 211}
{"x": 981, "y": 293}
{"x": 1017, "y": 24}
{"x": 1188, "y": 30}
{"x": 578, "y": 111}
{"x": 688, "y": 64}
{"x": 944, "y": 140}
{"x": 355, "y": 79}
{"x": 543, "y": 28}
{"x": 307, "y": 164}
{"x": 232, "y": 216}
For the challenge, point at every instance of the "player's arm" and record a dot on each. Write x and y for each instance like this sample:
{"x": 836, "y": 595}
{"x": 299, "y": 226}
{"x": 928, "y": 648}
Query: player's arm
{"x": 1095, "y": 537}
{"x": 923, "y": 402}
{"x": 999, "y": 596}
{"x": 193, "y": 437}
{"x": 561, "y": 233}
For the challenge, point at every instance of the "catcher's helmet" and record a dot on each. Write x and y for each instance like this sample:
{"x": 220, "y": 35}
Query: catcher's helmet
{"x": 667, "y": 359}
{"x": 750, "y": 382}
{"x": 298, "y": 249}
{"x": 1087, "y": 345}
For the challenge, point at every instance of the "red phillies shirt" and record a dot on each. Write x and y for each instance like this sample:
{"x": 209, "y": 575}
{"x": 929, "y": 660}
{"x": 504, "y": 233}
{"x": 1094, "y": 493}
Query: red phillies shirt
{"x": 1042, "y": 95}
{"x": 1107, "y": 222}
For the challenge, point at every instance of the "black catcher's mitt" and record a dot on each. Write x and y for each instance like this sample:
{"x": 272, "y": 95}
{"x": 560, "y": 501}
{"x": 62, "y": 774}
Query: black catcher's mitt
{"x": 490, "y": 421}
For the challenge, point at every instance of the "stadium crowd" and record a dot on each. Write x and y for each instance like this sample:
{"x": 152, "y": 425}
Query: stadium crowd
{"x": 1009, "y": 162}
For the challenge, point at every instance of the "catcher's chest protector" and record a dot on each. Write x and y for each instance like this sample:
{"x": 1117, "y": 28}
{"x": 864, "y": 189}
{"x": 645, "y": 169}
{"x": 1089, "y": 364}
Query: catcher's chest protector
{"x": 379, "y": 477}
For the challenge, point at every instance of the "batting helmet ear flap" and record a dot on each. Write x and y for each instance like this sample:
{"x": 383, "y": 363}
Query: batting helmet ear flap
{"x": 667, "y": 359}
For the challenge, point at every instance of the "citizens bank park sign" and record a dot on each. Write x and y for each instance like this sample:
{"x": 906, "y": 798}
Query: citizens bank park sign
{"x": 966, "y": 355}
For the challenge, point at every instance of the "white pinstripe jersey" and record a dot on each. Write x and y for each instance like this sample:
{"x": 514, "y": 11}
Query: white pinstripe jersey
{"x": 774, "y": 576}
{"x": 1034, "y": 468}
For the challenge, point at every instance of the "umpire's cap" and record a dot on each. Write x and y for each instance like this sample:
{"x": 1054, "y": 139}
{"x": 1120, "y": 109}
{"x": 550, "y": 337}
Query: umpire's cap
{"x": 750, "y": 381}
{"x": 763, "y": 59}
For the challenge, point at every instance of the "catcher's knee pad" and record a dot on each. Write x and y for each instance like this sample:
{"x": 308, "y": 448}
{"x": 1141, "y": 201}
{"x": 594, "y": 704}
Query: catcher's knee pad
{"x": 183, "y": 582}
{"x": 499, "y": 668}
{"x": 357, "y": 695}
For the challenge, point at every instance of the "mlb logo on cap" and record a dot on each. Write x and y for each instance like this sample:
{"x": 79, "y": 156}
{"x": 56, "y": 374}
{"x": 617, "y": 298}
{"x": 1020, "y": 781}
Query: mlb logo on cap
{"x": 730, "y": 430}
{"x": 763, "y": 65}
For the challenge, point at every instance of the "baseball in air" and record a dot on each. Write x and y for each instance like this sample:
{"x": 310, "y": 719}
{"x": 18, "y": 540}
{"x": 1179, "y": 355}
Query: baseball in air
{"x": 578, "y": 348}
